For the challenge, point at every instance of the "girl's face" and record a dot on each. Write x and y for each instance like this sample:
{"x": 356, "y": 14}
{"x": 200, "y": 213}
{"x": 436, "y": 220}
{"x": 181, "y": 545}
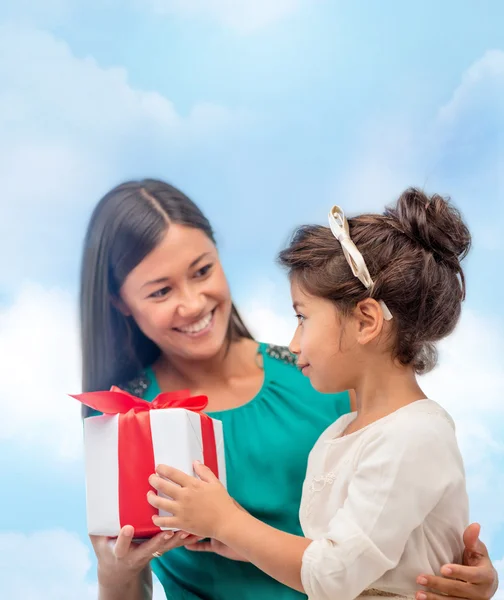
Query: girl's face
{"x": 179, "y": 296}
{"x": 327, "y": 351}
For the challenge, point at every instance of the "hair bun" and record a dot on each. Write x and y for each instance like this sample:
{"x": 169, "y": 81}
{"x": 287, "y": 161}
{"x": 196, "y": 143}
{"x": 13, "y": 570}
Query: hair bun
{"x": 434, "y": 223}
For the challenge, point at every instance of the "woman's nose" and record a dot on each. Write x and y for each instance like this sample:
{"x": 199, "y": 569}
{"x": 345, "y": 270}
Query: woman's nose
{"x": 191, "y": 305}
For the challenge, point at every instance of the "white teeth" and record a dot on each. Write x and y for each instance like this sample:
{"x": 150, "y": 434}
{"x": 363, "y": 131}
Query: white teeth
{"x": 199, "y": 326}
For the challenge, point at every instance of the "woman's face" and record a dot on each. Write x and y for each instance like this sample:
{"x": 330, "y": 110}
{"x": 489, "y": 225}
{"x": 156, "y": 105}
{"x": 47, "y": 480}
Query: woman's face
{"x": 179, "y": 296}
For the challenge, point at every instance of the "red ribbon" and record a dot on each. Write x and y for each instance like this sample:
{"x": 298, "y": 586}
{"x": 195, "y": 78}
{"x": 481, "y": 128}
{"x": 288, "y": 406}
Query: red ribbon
{"x": 136, "y": 453}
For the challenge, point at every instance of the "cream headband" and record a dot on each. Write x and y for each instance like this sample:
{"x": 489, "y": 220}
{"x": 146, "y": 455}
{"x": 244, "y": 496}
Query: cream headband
{"x": 339, "y": 227}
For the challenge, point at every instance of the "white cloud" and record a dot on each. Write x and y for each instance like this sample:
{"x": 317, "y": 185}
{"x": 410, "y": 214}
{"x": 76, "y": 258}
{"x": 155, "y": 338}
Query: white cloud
{"x": 384, "y": 163}
{"x": 50, "y": 565}
{"x": 266, "y": 325}
{"x": 46, "y": 565}
{"x": 50, "y": 91}
{"x": 482, "y": 85}
{"x": 468, "y": 132}
{"x": 71, "y": 129}
{"x": 100, "y": 97}
{"x": 469, "y": 383}
{"x": 267, "y": 317}
{"x": 470, "y": 366}
{"x": 40, "y": 359}
{"x": 458, "y": 151}
{"x": 245, "y": 16}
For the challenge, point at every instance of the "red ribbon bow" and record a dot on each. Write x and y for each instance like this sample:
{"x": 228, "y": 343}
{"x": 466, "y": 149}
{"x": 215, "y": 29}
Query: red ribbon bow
{"x": 117, "y": 401}
{"x": 136, "y": 453}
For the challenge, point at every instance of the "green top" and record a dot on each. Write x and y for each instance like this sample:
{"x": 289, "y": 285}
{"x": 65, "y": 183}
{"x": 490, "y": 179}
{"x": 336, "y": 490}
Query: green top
{"x": 267, "y": 442}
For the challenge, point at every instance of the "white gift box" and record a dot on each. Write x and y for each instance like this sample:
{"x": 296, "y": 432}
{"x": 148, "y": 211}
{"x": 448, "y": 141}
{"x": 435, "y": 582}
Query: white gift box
{"x": 122, "y": 450}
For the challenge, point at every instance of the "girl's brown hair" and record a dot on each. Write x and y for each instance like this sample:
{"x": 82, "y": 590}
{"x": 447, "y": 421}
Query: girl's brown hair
{"x": 413, "y": 253}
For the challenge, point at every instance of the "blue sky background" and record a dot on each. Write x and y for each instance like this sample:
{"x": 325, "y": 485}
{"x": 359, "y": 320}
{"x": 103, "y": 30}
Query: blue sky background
{"x": 265, "y": 113}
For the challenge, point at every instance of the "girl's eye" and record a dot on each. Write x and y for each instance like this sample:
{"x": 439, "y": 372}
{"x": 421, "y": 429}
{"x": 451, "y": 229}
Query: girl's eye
{"x": 300, "y": 319}
{"x": 160, "y": 293}
{"x": 203, "y": 271}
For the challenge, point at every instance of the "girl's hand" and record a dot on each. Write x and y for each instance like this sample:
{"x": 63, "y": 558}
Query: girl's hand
{"x": 200, "y": 506}
{"x": 217, "y": 548}
{"x": 476, "y": 579}
{"x": 121, "y": 561}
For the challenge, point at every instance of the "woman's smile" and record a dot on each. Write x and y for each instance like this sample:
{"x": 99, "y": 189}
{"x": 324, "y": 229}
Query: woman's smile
{"x": 198, "y": 328}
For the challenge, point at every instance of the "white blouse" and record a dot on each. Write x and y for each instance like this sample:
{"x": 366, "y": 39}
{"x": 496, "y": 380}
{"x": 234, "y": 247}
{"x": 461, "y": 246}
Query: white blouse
{"x": 383, "y": 504}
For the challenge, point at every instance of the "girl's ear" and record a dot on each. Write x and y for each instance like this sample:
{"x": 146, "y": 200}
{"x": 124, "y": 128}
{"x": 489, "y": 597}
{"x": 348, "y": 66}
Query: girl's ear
{"x": 369, "y": 316}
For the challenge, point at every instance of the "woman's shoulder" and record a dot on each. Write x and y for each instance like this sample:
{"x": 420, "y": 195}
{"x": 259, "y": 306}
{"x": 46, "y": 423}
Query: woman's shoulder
{"x": 139, "y": 386}
{"x": 281, "y": 367}
{"x": 281, "y": 354}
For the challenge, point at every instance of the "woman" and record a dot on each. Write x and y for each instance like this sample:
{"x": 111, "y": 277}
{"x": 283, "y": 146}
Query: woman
{"x": 157, "y": 315}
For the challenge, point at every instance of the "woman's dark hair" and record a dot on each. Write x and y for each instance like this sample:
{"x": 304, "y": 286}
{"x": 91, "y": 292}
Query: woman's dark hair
{"x": 128, "y": 223}
{"x": 413, "y": 253}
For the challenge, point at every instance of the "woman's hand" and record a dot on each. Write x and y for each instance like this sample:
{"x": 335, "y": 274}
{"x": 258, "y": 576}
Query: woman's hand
{"x": 120, "y": 562}
{"x": 217, "y": 548}
{"x": 476, "y": 579}
{"x": 201, "y": 506}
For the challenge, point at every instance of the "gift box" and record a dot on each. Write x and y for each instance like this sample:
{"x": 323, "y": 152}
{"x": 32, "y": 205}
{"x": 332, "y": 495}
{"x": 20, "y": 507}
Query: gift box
{"x": 125, "y": 444}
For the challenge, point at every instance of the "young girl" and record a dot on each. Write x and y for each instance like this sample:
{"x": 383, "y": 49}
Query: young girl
{"x": 384, "y": 492}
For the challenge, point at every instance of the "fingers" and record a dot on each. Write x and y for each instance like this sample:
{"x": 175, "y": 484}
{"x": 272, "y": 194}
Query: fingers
{"x": 165, "y": 487}
{"x": 139, "y": 555}
{"x": 142, "y": 552}
{"x": 166, "y": 541}
{"x": 166, "y": 522}
{"x": 155, "y": 544}
{"x": 471, "y": 537}
{"x": 181, "y": 538}
{"x": 447, "y": 587}
{"x": 191, "y": 539}
{"x": 98, "y": 542}
{"x": 204, "y": 473}
{"x": 175, "y": 475}
{"x": 123, "y": 542}
{"x": 200, "y": 547}
{"x": 160, "y": 503}
{"x": 479, "y": 550}
{"x": 432, "y": 596}
{"x": 473, "y": 575}
{"x": 145, "y": 551}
